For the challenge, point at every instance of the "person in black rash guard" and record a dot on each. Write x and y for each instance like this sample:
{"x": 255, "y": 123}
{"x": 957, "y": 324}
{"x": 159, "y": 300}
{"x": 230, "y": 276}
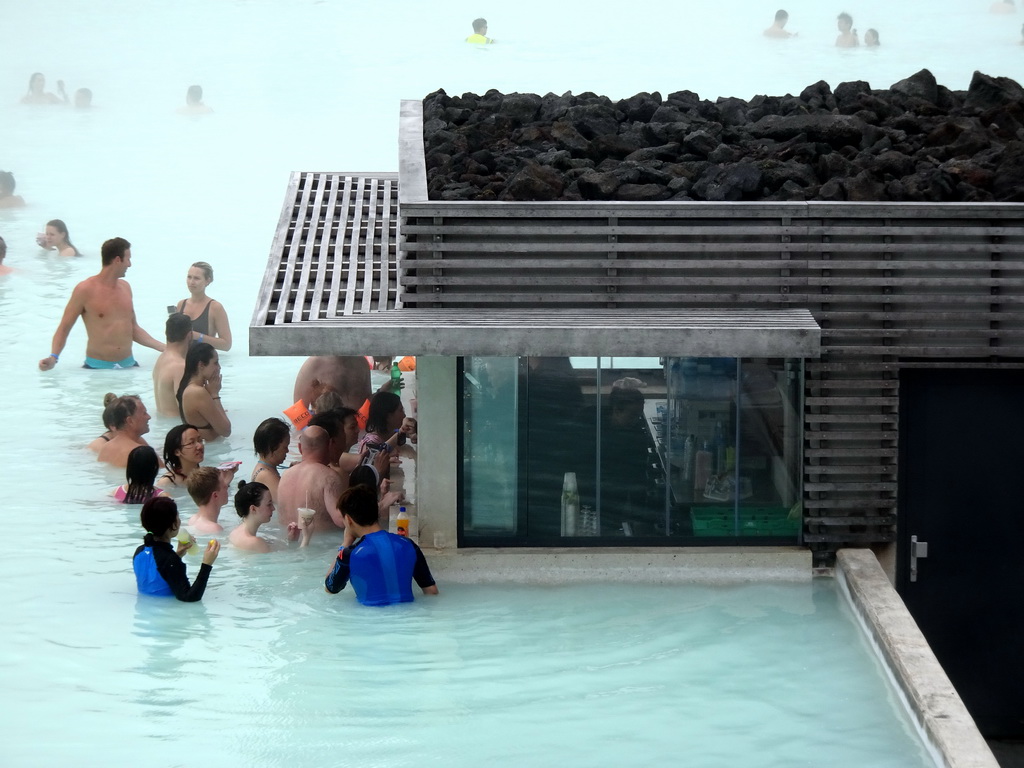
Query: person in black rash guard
{"x": 159, "y": 570}
{"x": 381, "y": 565}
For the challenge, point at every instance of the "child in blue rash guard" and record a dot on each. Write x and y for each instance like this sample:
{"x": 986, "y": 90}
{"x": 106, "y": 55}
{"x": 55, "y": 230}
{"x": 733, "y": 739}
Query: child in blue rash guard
{"x": 158, "y": 567}
{"x": 380, "y": 565}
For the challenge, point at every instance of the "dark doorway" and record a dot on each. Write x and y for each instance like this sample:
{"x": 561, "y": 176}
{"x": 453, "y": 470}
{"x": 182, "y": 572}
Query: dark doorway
{"x": 962, "y": 492}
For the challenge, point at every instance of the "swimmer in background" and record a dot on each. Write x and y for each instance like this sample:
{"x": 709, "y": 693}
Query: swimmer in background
{"x": 208, "y": 488}
{"x": 37, "y": 93}
{"x": 56, "y": 238}
{"x": 1003, "y": 7}
{"x": 847, "y": 34}
{"x": 159, "y": 570}
{"x": 479, "y": 36}
{"x": 170, "y": 365}
{"x": 140, "y": 473}
{"x": 871, "y": 38}
{"x": 209, "y": 319}
{"x": 7, "y": 197}
{"x": 380, "y": 565}
{"x": 4, "y": 269}
{"x": 83, "y": 98}
{"x": 194, "y": 102}
{"x": 104, "y": 302}
{"x": 777, "y": 29}
{"x": 270, "y": 442}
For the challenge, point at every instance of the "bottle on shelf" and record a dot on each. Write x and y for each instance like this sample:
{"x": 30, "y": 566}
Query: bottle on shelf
{"x": 570, "y": 504}
{"x": 718, "y": 445}
{"x": 701, "y": 470}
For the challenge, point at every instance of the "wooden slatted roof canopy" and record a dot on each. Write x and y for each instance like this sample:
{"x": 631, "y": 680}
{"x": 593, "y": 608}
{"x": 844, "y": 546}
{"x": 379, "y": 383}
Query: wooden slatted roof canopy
{"x": 333, "y": 256}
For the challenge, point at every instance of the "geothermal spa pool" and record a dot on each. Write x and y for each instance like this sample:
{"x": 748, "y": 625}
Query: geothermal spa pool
{"x": 268, "y": 670}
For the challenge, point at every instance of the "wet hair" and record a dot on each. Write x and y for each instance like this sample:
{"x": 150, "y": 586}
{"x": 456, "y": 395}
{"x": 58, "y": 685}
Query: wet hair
{"x": 32, "y": 79}
{"x": 83, "y": 97}
{"x": 206, "y": 268}
{"x": 201, "y": 353}
{"x": 120, "y": 410}
{"x": 178, "y": 327}
{"x": 332, "y": 423}
{"x": 359, "y": 503}
{"x": 7, "y": 181}
{"x": 479, "y": 24}
{"x": 114, "y": 248}
{"x": 140, "y": 472}
{"x": 202, "y": 483}
{"x": 328, "y": 401}
{"x": 3, "y": 249}
{"x": 194, "y": 94}
{"x": 781, "y": 15}
{"x": 872, "y": 34}
{"x": 268, "y": 435}
{"x": 248, "y": 495}
{"x": 172, "y": 444}
{"x": 61, "y": 227}
{"x": 382, "y": 405}
{"x": 158, "y": 516}
{"x": 364, "y": 475}
{"x": 845, "y": 17}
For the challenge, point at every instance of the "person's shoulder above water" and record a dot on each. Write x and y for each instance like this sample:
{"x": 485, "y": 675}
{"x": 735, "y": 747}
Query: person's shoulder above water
{"x": 479, "y": 36}
{"x": 777, "y": 29}
{"x": 7, "y": 197}
{"x": 194, "y": 102}
{"x": 1003, "y": 7}
{"x": 847, "y": 34}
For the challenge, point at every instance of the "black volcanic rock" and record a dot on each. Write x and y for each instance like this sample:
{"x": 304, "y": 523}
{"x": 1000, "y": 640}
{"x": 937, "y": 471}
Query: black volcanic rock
{"x": 916, "y": 141}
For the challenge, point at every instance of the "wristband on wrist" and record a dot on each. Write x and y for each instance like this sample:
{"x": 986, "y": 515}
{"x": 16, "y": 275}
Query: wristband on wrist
{"x": 200, "y": 338}
{"x": 55, "y": 356}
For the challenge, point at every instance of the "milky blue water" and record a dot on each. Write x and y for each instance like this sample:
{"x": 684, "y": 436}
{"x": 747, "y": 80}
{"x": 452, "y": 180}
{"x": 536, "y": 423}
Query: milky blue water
{"x": 269, "y": 670}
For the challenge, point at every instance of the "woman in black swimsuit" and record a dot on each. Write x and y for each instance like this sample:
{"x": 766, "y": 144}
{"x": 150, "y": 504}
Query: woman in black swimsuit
{"x": 199, "y": 393}
{"x": 209, "y": 320}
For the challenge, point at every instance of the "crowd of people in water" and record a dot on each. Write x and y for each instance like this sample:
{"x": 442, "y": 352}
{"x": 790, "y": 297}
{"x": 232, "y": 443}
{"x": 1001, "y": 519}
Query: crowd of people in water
{"x": 347, "y": 437}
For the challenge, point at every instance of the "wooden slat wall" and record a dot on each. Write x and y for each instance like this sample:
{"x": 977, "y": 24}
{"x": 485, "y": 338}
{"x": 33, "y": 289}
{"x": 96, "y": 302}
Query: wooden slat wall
{"x": 334, "y": 254}
{"x": 891, "y": 286}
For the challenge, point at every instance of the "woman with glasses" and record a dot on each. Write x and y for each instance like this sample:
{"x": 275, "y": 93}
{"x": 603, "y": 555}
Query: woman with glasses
{"x": 184, "y": 450}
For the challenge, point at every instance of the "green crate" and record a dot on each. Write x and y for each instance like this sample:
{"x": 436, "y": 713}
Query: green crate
{"x": 754, "y": 521}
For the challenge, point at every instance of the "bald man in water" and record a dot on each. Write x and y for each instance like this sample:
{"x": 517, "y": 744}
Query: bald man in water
{"x": 104, "y": 302}
{"x": 312, "y": 483}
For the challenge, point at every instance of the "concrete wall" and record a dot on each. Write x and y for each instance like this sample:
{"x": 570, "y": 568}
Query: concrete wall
{"x": 437, "y": 462}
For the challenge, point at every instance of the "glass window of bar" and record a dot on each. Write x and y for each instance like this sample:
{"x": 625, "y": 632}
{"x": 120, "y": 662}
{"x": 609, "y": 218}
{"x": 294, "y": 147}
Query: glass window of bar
{"x": 586, "y": 451}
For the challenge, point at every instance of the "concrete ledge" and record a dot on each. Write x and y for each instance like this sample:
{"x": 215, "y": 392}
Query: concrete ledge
{"x": 649, "y": 565}
{"x": 939, "y": 709}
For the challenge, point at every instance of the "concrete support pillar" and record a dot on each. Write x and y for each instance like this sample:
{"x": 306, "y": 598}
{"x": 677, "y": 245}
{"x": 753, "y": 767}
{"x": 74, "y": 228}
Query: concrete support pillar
{"x": 437, "y": 461}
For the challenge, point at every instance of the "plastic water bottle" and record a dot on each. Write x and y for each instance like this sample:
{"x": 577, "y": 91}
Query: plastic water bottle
{"x": 570, "y": 504}
{"x": 688, "y": 449}
{"x": 396, "y": 378}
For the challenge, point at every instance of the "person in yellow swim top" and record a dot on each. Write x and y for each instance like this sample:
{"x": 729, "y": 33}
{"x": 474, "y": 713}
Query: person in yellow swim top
{"x": 479, "y": 36}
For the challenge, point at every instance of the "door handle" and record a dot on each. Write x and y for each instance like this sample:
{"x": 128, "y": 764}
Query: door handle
{"x": 918, "y": 549}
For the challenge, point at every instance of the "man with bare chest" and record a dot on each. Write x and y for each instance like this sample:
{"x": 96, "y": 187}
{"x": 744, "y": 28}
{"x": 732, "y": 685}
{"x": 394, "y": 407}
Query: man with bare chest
{"x": 104, "y": 302}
